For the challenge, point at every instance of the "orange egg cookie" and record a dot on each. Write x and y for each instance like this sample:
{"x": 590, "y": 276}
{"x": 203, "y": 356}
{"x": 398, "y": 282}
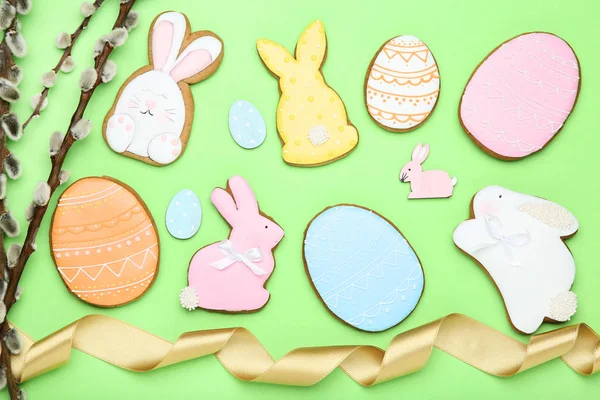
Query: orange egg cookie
{"x": 104, "y": 242}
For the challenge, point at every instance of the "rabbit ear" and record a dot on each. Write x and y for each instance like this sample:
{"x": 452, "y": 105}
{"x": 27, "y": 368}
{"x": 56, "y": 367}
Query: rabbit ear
{"x": 225, "y": 204}
{"x": 312, "y": 45}
{"x": 552, "y": 215}
{"x": 274, "y": 56}
{"x": 416, "y": 152}
{"x": 243, "y": 195}
{"x": 423, "y": 153}
{"x": 167, "y": 35}
{"x": 193, "y": 62}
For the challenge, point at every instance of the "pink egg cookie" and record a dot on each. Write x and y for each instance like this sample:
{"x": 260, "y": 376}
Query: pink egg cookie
{"x": 520, "y": 96}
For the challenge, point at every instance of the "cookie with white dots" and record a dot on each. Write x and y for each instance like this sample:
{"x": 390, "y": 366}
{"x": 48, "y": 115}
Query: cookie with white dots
{"x": 311, "y": 118}
{"x": 184, "y": 215}
{"x": 246, "y": 125}
{"x": 104, "y": 242}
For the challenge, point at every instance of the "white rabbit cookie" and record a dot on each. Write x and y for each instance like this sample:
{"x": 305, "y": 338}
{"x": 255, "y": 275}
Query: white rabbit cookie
{"x": 152, "y": 115}
{"x": 518, "y": 239}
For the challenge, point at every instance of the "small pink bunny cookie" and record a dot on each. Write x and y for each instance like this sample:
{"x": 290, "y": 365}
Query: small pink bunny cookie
{"x": 152, "y": 115}
{"x": 425, "y": 184}
{"x": 230, "y": 276}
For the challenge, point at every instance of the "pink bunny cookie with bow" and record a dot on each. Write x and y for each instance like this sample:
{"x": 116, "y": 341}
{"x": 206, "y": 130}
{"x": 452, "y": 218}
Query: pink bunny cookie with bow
{"x": 151, "y": 118}
{"x": 230, "y": 276}
{"x": 426, "y": 184}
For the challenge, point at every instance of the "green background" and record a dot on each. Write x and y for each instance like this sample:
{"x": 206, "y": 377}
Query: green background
{"x": 460, "y": 34}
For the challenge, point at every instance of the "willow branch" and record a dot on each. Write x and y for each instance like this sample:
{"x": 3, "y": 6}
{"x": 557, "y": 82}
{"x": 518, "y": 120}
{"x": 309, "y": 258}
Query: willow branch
{"x": 53, "y": 181}
{"x": 7, "y": 62}
{"x": 57, "y": 163}
{"x": 56, "y": 69}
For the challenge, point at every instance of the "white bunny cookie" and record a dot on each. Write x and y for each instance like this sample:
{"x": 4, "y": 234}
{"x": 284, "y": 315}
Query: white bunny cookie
{"x": 518, "y": 239}
{"x": 152, "y": 115}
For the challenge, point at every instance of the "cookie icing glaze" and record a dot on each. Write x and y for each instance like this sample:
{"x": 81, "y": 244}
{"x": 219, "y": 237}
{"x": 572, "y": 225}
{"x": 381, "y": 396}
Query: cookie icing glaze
{"x": 246, "y": 125}
{"x": 184, "y": 215}
{"x": 311, "y": 117}
{"x": 403, "y": 84}
{"x": 152, "y": 115}
{"x": 362, "y": 268}
{"x": 520, "y": 96}
{"x": 426, "y": 184}
{"x": 104, "y": 242}
{"x": 230, "y": 275}
{"x": 518, "y": 239}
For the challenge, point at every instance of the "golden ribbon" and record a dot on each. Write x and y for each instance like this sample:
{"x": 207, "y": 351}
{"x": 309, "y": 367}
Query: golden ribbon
{"x": 482, "y": 347}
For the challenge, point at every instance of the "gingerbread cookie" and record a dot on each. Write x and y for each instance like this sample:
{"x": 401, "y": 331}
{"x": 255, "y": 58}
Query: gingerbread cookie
{"x": 402, "y": 84}
{"x": 362, "y": 268}
{"x": 246, "y": 125}
{"x": 151, "y": 118}
{"x": 425, "y": 184}
{"x": 311, "y": 117}
{"x": 230, "y": 275}
{"x": 184, "y": 215}
{"x": 518, "y": 240}
{"x": 104, "y": 242}
{"x": 520, "y": 96}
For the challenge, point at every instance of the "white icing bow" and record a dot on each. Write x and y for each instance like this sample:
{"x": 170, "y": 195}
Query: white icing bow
{"x": 508, "y": 242}
{"x": 232, "y": 256}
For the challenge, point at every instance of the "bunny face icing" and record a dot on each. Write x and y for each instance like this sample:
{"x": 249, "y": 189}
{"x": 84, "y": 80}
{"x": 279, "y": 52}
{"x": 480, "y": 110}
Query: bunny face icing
{"x": 495, "y": 201}
{"x": 259, "y": 231}
{"x": 518, "y": 239}
{"x": 410, "y": 169}
{"x": 154, "y": 108}
{"x": 152, "y": 116}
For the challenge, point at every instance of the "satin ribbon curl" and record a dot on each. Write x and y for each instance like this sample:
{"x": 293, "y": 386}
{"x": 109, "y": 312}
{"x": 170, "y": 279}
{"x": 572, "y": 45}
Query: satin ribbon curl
{"x": 232, "y": 256}
{"x": 468, "y": 340}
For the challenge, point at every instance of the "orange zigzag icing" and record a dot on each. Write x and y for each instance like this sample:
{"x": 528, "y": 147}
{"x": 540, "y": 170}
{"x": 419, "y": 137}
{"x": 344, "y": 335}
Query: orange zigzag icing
{"x": 404, "y": 81}
{"x": 398, "y": 117}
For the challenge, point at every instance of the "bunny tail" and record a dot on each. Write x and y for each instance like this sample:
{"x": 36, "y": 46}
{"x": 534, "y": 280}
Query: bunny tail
{"x": 188, "y": 298}
{"x": 563, "y": 306}
{"x": 454, "y": 180}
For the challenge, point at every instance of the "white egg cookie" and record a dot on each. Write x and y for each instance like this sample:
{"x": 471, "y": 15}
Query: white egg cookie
{"x": 402, "y": 84}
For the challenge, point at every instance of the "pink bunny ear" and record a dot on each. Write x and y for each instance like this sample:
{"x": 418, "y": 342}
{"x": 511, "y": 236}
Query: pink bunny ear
{"x": 424, "y": 153}
{"x": 196, "y": 57}
{"x": 243, "y": 195}
{"x": 225, "y": 204}
{"x": 167, "y": 36}
{"x": 416, "y": 152}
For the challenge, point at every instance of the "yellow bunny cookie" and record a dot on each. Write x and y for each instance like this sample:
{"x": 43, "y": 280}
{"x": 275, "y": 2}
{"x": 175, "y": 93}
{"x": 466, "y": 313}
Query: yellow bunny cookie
{"x": 311, "y": 117}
